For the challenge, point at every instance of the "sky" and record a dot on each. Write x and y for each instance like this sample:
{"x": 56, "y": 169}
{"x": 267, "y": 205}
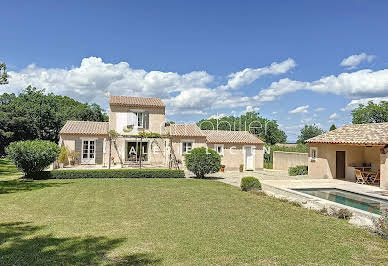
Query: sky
{"x": 297, "y": 62}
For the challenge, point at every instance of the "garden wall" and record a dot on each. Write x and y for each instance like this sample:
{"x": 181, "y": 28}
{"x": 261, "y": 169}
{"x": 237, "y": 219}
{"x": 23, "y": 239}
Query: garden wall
{"x": 283, "y": 160}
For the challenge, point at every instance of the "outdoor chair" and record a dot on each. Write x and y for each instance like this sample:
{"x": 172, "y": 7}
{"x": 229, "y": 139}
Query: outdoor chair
{"x": 361, "y": 178}
{"x": 375, "y": 178}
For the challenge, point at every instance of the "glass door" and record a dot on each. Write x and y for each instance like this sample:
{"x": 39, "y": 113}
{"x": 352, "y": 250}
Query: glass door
{"x": 88, "y": 151}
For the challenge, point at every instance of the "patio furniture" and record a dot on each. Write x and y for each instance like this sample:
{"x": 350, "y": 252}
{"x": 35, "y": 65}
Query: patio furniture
{"x": 361, "y": 177}
{"x": 375, "y": 178}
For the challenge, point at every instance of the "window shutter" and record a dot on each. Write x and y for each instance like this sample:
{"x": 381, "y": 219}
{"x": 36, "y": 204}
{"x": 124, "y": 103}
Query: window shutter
{"x": 78, "y": 149}
{"x": 131, "y": 117}
{"x": 146, "y": 120}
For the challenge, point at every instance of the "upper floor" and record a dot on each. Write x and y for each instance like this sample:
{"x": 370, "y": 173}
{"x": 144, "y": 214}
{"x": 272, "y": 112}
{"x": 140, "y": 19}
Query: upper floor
{"x": 131, "y": 115}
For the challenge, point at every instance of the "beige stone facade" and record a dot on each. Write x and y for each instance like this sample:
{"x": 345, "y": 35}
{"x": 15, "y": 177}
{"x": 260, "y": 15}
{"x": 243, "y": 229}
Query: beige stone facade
{"x": 131, "y": 116}
{"x": 325, "y": 164}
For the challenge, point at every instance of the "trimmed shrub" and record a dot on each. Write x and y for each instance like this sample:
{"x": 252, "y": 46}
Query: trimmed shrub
{"x": 298, "y": 170}
{"x": 32, "y": 156}
{"x": 250, "y": 183}
{"x": 110, "y": 173}
{"x": 202, "y": 161}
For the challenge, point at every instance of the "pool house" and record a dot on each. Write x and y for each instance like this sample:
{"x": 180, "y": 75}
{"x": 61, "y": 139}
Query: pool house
{"x": 357, "y": 153}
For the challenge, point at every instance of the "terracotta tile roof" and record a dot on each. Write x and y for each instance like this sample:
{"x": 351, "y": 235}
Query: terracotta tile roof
{"x": 375, "y": 133}
{"x": 85, "y": 128}
{"x": 136, "y": 101}
{"x": 185, "y": 130}
{"x": 232, "y": 137}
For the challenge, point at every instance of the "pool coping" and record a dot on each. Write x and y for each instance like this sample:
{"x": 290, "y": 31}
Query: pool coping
{"x": 321, "y": 203}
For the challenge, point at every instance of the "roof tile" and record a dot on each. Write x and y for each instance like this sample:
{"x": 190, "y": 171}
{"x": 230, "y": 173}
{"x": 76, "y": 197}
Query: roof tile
{"x": 129, "y": 101}
{"x": 232, "y": 137}
{"x": 374, "y": 133}
{"x": 85, "y": 128}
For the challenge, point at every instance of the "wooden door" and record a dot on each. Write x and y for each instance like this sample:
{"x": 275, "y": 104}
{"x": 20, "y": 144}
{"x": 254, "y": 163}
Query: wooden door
{"x": 340, "y": 165}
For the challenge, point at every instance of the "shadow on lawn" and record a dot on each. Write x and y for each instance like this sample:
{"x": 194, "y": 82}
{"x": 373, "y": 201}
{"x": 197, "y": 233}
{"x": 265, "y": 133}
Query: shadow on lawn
{"x": 13, "y": 186}
{"x": 18, "y": 246}
{"x": 7, "y": 168}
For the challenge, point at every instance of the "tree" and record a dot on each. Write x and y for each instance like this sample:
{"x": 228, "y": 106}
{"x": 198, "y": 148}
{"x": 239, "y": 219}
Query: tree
{"x": 3, "y": 74}
{"x": 371, "y": 113}
{"x": 33, "y": 156}
{"x": 35, "y": 115}
{"x": 308, "y": 132}
{"x": 332, "y": 127}
{"x": 202, "y": 161}
{"x": 265, "y": 129}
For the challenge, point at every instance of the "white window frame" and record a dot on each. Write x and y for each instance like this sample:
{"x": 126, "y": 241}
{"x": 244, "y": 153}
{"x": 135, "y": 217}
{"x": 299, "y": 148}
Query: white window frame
{"x": 183, "y": 151}
{"x": 216, "y": 146}
{"x": 313, "y": 151}
{"x": 89, "y": 161}
{"x": 141, "y": 125}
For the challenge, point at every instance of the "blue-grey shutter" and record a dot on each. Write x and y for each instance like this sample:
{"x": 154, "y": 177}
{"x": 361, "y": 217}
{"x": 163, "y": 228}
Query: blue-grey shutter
{"x": 78, "y": 149}
{"x": 146, "y": 120}
{"x": 99, "y": 150}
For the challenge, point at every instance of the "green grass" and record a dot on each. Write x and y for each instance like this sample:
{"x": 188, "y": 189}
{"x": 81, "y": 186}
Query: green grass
{"x": 167, "y": 221}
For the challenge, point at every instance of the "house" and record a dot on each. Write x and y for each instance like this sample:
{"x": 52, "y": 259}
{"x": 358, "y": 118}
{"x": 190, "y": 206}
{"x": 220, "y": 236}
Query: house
{"x": 338, "y": 153}
{"x": 145, "y": 138}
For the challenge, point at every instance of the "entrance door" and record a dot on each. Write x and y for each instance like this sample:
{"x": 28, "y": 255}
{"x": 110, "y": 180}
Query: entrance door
{"x": 340, "y": 165}
{"x": 133, "y": 151}
{"x": 88, "y": 151}
{"x": 248, "y": 160}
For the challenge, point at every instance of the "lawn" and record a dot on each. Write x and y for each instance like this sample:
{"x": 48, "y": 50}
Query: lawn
{"x": 167, "y": 221}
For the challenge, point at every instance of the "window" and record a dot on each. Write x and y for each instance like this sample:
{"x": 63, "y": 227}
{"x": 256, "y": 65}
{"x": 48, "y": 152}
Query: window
{"x": 219, "y": 149}
{"x": 140, "y": 119}
{"x": 186, "y": 146}
{"x": 313, "y": 153}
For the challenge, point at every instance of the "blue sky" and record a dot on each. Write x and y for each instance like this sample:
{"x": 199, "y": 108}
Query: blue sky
{"x": 282, "y": 58}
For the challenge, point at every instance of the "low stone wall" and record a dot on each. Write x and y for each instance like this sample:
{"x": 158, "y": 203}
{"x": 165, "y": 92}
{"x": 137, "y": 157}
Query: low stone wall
{"x": 284, "y": 160}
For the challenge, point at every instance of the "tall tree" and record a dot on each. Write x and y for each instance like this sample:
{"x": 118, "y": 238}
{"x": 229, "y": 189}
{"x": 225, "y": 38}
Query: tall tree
{"x": 309, "y": 131}
{"x": 371, "y": 113}
{"x": 267, "y": 130}
{"x": 3, "y": 74}
{"x": 332, "y": 127}
{"x": 35, "y": 115}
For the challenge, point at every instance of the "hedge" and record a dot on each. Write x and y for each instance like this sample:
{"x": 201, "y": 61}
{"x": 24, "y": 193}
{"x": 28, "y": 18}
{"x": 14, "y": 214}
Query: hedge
{"x": 250, "y": 183}
{"x": 110, "y": 173}
{"x": 298, "y": 170}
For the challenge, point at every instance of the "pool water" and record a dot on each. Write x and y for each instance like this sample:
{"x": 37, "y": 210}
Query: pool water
{"x": 365, "y": 203}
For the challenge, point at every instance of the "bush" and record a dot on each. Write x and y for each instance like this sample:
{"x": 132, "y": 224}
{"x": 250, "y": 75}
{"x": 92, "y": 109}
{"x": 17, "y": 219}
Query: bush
{"x": 63, "y": 154}
{"x": 298, "y": 170}
{"x": 110, "y": 173}
{"x": 381, "y": 224}
{"x": 250, "y": 183}
{"x": 202, "y": 161}
{"x": 32, "y": 156}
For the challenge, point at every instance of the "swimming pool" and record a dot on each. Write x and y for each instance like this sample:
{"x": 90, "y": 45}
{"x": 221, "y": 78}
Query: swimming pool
{"x": 355, "y": 200}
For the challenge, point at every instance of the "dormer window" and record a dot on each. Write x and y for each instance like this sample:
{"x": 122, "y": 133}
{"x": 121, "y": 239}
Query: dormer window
{"x": 140, "y": 119}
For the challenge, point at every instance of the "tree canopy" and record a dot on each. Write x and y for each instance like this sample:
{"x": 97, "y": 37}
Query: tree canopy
{"x": 35, "y": 115}
{"x": 332, "y": 127}
{"x": 309, "y": 131}
{"x": 265, "y": 129}
{"x": 371, "y": 113}
{"x": 3, "y": 74}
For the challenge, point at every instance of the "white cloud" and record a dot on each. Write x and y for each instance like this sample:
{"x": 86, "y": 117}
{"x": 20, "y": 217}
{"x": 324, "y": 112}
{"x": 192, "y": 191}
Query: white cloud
{"x": 353, "y": 61}
{"x": 188, "y": 93}
{"x": 319, "y": 109}
{"x": 249, "y": 108}
{"x": 300, "y": 109}
{"x": 249, "y": 75}
{"x": 306, "y": 120}
{"x": 359, "y": 84}
{"x": 217, "y": 116}
{"x": 355, "y": 103}
{"x": 274, "y": 113}
{"x": 333, "y": 116}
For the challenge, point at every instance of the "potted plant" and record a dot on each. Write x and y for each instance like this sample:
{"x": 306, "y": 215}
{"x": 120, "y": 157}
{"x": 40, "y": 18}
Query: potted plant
{"x": 72, "y": 156}
{"x": 62, "y": 157}
{"x": 222, "y": 168}
{"x": 241, "y": 167}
